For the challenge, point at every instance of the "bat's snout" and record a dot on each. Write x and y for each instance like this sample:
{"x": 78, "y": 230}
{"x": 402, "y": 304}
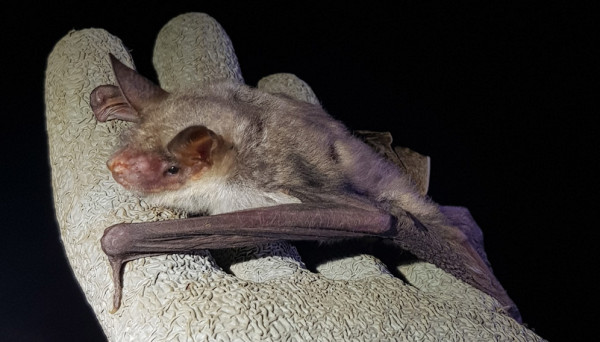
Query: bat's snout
{"x": 136, "y": 170}
{"x": 143, "y": 172}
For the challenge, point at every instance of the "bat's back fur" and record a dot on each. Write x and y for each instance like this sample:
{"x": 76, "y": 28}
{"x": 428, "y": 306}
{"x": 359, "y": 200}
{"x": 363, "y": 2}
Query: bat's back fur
{"x": 280, "y": 146}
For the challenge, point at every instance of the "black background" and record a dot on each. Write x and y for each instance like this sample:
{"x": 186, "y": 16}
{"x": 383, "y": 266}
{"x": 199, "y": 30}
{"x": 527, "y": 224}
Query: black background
{"x": 498, "y": 96}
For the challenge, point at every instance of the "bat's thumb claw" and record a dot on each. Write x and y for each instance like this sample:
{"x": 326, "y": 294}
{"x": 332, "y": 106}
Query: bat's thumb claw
{"x": 117, "y": 267}
{"x": 113, "y": 310}
{"x": 116, "y": 304}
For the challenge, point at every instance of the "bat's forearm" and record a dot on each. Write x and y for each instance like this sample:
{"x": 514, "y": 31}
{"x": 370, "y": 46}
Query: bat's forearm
{"x": 284, "y": 222}
{"x": 321, "y": 221}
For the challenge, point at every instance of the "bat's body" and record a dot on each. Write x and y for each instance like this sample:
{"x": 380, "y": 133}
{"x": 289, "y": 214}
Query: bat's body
{"x": 227, "y": 148}
{"x": 264, "y": 147}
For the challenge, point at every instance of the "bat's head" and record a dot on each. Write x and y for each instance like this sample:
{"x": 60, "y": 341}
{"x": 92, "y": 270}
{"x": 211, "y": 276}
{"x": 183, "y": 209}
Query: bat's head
{"x": 186, "y": 158}
{"x": 157, "y": 156}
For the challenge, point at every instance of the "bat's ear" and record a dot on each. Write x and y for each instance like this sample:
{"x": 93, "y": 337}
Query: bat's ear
{"x": 127, "y": 101}
{"x": 138, "y": 90}
{"x": 108, "y": 103}
{"x": 195, "y": 146}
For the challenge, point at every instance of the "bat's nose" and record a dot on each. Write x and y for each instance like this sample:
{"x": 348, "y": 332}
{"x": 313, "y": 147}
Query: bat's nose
{"x": 119, "y": 172}
{"x": 113, "y": 166}
{"x": 127, "y": 168}
{"x": 121, "y": 165}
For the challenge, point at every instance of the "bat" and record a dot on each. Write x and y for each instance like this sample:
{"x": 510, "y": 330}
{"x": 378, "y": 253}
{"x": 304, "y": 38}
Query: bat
{"x": 262, "y": 167}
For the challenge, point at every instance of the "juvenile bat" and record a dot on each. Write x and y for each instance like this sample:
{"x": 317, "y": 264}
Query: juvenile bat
{"x": 264, "y": 167}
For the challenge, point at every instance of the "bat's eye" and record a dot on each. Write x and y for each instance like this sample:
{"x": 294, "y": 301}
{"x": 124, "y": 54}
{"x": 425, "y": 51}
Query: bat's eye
{"x": 173, "y": 170}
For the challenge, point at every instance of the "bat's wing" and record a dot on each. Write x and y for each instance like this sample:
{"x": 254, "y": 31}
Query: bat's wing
{"x": 446, "y": 246}
{"x": 320, "y": 217}
{"x": 439, "y": 242}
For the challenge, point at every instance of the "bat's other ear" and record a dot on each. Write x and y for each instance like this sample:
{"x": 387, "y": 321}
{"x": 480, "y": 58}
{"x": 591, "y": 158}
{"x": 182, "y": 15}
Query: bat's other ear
{"x": 139, "y": 91}
{"x": 108, "y": 103}
{"x": 195, "y": 145}
{"x": 127, "y": 100}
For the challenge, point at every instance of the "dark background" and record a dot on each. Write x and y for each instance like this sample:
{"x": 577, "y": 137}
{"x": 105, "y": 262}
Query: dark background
{"x": 498, "y": 96}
